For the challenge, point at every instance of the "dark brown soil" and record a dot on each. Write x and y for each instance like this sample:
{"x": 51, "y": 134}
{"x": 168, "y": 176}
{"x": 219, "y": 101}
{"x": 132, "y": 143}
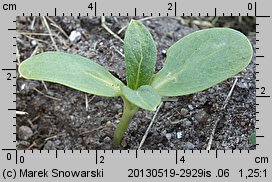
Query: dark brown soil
{"x": 58, "y": 118}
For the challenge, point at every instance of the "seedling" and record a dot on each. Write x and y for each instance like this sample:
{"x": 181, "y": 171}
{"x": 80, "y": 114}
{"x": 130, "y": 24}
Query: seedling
{"x": 194, "y": 63}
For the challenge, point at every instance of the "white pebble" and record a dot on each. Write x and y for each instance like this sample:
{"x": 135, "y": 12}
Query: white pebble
{"x": 190, "y": 107}
{"x": 179, "y": 134}
{"x": 74, "y": 36}
{"x": 23, "y": 86}
{"x": 168, "y": 136}
{"x": 34, "y": 42}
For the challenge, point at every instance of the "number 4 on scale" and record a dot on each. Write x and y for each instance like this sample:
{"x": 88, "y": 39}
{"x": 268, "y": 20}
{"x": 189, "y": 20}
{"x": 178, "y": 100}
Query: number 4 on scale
{"x": 90, "y": 6}
{"x": 182, "y": 159}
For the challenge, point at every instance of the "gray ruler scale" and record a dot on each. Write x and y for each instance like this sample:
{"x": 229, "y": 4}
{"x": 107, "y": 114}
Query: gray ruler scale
{"x": 135, "y": 165}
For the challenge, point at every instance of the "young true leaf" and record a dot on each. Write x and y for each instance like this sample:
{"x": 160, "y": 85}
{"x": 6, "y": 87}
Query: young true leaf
{"x": 73, "y": 71}
{"x": 144, "y": 97}
{"x": 201, "y": 60}
{"x": 140, "y": 55}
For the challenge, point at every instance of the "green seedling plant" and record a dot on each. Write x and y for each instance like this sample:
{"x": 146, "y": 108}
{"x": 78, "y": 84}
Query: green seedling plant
{"x": 194, "y": 63}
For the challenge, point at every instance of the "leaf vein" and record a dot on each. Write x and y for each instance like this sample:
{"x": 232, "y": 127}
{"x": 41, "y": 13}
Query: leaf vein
{"x": 141, "y": 60}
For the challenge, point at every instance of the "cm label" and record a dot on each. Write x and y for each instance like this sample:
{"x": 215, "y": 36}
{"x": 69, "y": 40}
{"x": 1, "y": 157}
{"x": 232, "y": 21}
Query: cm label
{"x": 9, "y": 7}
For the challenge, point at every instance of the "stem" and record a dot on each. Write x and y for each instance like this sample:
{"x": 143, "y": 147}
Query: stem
{"x": 129, "y": 110}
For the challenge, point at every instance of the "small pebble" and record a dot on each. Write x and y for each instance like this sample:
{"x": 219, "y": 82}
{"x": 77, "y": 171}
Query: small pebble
{"x": 190, "y": 107}
{"x": 72, "y": 117}
{"x": 211, "y": 90}
{"x": 49, "y": 92}
{"x": 186, "y": 122}
{"x": 163, "y": 133}
{"x": 23, "y": 86}
{"x": 34, "y": 42}
{"x": 74, "y": 36}
{"x": 108, "y": 124}
{"x": 179, "y": 134}
{"x": 101, "y": 103}
{"x": 57, "y": 142}
{"x": 168, "y": 136}
{"x": 28, "y": 86}
{"x": 242, "y": 85}
{"x": 25, "y": 133}
{"x": 163, "y": 52}
{"x": 201, "y": 116}
{"x": 220, "y": 137}
{"x": 169, "y": 35}
{"x": 167, "y": 105}
{"x": 49, "y": 145}
{"x": 118, "y": 106}
{"x": 168, "y": 123}
{"x": 107, "y": 139}
{"x": 190, "y": 146}
{"x": 123, "y": 143}
{"x": 201, "y": 133}
{"x": 217, "y": 144}
{"x": 184, "y": 112}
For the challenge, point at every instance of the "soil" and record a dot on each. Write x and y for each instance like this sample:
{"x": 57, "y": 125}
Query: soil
{"x": 59, "y": 118}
